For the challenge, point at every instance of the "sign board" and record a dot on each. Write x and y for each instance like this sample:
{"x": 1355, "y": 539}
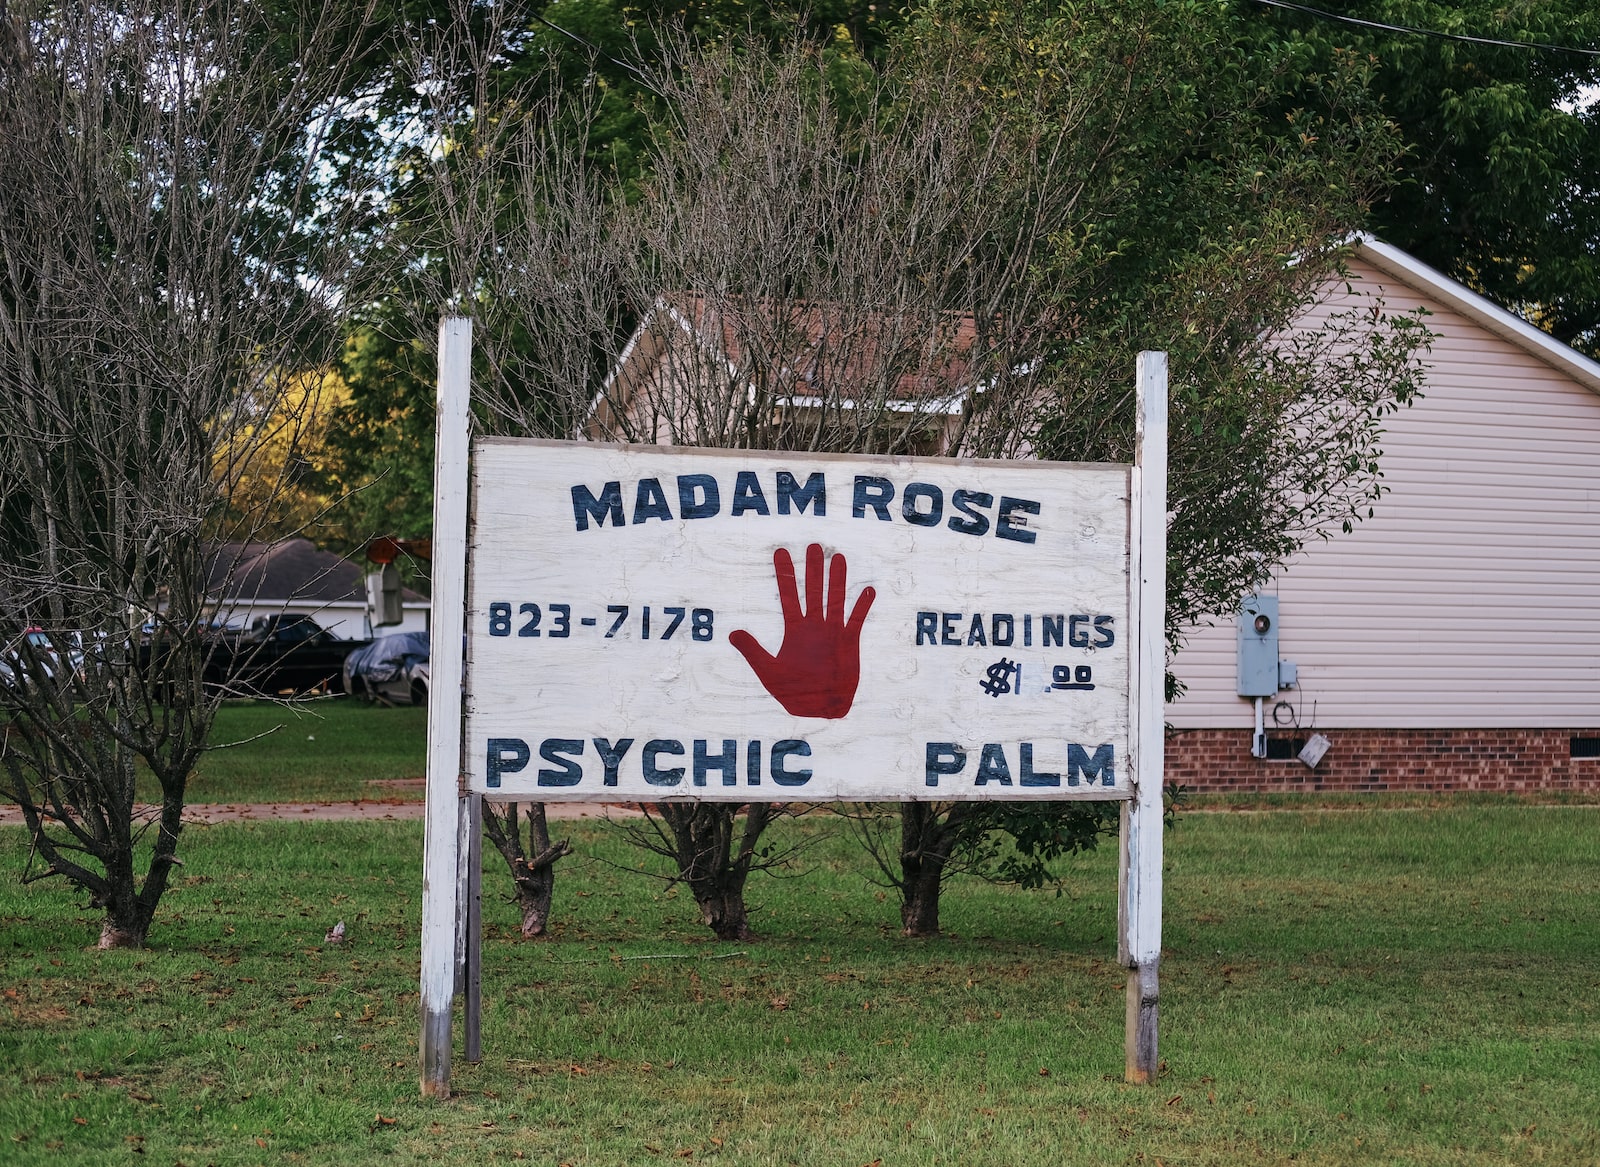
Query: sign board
{"x": 637, "y": 624}
{"x": 647, "y": 624}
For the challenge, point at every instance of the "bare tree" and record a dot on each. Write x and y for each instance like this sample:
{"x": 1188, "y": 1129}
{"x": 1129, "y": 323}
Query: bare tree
{"x": 714, "y": 849}
{"x": 532, "y": 864}
{"x": 475, "y": 149}
{"x": 824, "y": 261}
{"x": 171, "y": 261}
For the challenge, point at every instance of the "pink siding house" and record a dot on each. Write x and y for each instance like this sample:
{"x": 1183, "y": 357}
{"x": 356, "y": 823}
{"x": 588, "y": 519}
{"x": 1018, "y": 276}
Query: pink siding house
{"x": 1453, "y": 640}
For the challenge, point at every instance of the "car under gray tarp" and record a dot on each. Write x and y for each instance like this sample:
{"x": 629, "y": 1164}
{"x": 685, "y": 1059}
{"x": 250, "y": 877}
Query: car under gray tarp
{"x": 388, "y": 658}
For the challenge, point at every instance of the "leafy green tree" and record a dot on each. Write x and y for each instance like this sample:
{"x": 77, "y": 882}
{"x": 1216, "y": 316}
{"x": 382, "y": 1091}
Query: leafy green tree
{"x": 1215, "y": 182}
{"x": 1497, "y": 179}
{"x": 1500, "y": 179}
{"x": 376, "y": 463}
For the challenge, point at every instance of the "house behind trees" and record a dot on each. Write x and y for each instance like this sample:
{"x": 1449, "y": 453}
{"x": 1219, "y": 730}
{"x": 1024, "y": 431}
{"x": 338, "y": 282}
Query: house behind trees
{"x": 1452, "y": 640}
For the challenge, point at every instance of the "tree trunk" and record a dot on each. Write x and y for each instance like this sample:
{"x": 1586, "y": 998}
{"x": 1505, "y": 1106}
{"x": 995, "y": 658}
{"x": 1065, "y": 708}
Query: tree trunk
{"x": 534, "y": 878}
{"x": 131, "y": 908}
{"x": 707, "y": 862}
{"x": 536, "y": 881}
{"x": 115, "y": 934}
{"x": 926, "y": 840}
{"x": 919, "y": 902}
{"x": 724, "y": 912}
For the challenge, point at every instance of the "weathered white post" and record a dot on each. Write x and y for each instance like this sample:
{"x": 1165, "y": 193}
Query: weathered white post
{"x": 470, "y": 906}
{"x": 1139, "y": 876}
{"x": 441, "y": 862}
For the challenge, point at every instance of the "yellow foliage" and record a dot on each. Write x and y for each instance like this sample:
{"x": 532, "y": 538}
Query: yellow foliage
{"x": 273, "y": 468}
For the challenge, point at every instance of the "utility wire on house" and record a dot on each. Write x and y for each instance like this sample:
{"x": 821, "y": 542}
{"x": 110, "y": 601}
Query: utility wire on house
{"x": 1429, "y": 32}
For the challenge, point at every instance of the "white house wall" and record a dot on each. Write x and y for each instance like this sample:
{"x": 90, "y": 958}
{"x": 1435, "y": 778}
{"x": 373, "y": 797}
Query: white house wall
{"x": 344, "y": 621}
{"x": 1472, "y": 599}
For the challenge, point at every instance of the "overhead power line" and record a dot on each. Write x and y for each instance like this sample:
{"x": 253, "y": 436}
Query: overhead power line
{"x": 1430, "y": 32}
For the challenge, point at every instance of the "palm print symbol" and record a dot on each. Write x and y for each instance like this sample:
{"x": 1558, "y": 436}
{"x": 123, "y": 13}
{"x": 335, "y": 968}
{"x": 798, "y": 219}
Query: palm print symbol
{"x": 818, "y": 666}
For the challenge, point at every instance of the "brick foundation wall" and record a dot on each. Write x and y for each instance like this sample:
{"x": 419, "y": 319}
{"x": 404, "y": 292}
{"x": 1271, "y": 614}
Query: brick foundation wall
{"x": 1219, "y": 761}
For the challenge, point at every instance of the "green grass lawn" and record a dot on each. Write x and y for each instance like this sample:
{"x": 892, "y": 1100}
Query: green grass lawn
{"x": 319, "y": 750}
{"x": 1417, "y": 987}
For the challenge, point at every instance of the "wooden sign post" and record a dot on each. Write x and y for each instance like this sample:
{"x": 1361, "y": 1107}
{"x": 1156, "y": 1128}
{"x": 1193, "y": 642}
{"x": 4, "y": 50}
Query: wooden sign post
{"x": 446, "y": 806}
{"x": 1139, "y": 872}
{"x": 649, "y": 624}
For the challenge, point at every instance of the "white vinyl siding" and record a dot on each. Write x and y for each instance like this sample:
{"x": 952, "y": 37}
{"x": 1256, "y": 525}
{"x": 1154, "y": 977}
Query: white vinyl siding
{"x": 1472, "y": 598}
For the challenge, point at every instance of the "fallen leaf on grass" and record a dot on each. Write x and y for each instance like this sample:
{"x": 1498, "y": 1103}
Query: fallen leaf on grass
{"x": 379, "y": 1120}
{"x": 779, "y": 1003}
{"x": 1175, "y": 1100}
{"x": 1044, "y": 1071}
{"x": 80, "y": 1121}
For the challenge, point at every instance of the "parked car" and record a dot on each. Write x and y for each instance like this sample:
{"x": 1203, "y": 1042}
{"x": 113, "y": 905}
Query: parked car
{"x": 35, "y": 658}
{"x": 280, "y": 652}
{"x": 392, "y": 669}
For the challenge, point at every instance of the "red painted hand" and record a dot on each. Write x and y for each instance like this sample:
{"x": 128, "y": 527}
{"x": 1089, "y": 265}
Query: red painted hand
{"x": 819, "y": 664}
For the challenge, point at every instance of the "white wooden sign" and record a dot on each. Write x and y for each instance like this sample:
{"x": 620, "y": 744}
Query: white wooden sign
{"x": 643, "y": 624}
{"x": 647, "y": 624}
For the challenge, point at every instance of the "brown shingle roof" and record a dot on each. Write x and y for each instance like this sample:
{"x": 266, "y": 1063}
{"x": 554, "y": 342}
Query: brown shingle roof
{"x": 288, "y": 569}
{"x": 819, "y": 345}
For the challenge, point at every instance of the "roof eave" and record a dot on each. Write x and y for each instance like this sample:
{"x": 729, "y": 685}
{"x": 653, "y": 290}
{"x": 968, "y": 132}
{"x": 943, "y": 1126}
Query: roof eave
{"x": 1540, "y": 344}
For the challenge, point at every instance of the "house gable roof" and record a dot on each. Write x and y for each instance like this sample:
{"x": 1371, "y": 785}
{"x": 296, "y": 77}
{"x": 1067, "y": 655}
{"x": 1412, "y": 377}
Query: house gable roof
{"x": 812, "y": 347}
{"x": 287, "y": 570}
{"x": 1540, "y": 344}
{"x": 808, "y": 361}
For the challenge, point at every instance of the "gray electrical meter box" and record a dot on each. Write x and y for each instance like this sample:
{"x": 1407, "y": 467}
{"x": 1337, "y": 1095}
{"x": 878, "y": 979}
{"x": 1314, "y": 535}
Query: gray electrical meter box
{"x": 1258, "y": 646}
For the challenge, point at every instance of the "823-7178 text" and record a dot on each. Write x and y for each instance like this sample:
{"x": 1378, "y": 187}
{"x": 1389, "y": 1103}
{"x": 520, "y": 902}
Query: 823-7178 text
{"x": 662, "y": 623}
